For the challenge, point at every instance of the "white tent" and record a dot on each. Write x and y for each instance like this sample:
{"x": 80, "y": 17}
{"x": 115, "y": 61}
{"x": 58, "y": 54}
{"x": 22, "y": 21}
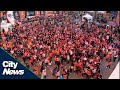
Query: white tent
{"x": 88, "y": 17}
{"x": 5, "y": 26}
{"x": 10, "y": 17}
{"x": 3, "y": 22}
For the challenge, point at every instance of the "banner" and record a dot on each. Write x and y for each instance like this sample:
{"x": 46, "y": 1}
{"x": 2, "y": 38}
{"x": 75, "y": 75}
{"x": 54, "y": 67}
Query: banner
{"x": 1, "y": 14}
{"x": 60, "y": 12}
{"x": 49, "y": 13}
{"x": 37, "y": 13}
{"x": 22, "y": 14}
{"x": 16, "y": 14}
{"x": 105, "y": 14}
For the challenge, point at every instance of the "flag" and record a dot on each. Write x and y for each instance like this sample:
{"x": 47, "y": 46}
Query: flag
{"x": 22, "y": 14}
{"x": 49, "y": 13}
{"x": 37, "y": 13}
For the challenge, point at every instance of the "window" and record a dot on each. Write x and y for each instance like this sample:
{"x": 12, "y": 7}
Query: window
{"x": 16, "y": 14}
{"x": 42, "y": 12}
{"x": 55, "y": 12}
{"x": 30, "y": 13}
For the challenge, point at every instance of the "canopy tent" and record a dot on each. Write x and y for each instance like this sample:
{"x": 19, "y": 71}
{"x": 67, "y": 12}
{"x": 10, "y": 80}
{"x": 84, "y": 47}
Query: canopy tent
{"x": 5, "y": 26}
{"x": 88, "y": 17}
{"x": 10, "y": 17}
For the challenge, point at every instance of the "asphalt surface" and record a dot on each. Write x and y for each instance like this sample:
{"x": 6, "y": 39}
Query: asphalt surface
{"x": 105, "y": 71}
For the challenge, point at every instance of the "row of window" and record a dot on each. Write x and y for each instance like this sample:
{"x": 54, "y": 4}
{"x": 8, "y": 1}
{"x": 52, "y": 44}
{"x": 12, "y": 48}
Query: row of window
{"x": 30, "y": 13}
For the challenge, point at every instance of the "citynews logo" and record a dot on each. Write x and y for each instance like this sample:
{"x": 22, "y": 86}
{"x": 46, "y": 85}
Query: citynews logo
{"x": 7, "y": 68}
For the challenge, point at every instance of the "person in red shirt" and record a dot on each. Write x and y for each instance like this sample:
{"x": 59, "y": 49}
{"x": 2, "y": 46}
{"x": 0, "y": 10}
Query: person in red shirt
{"x": 80, "y": 66}
{"x": 31, "y": 60}
{"x": 75, "y": 66}
{"x": 109, "y": 64}
{"x": 98, "y": 75}
{"x": 89, "y": 73}
{"x": 107, "y": 56}
{"x": 57, "y": 61}
{"x": 83, "y": 73}
{"x": 36, "y": 70}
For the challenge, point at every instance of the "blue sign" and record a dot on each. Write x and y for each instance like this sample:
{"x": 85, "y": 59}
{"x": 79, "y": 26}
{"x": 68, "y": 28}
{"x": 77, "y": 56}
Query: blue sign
{"x": 11, "y": 68}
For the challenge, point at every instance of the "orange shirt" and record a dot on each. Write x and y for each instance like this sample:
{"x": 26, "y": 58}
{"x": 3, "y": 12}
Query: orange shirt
{"x": 75, "y": 64}
{"x": 36, "y": 68}
{"x": 59, "y": 49}
{"x": 50, "y": 55}
{"x": 25, "y": 54}
{"x": 36, "y": 72}
{"x": 109, "y": 63}
{"x": 75, "y": 67}
{"x": 30, "y": 43}
{"x": 56, "y": 52}
{"x": 88, "y": 72}
{"x": 53, "y": 51}
{"x": 63, "y": 72}
{"x": 107, "y": 56}
{"x": 1, "y": 14}
{"x": 4, "y": 45}
{"x": 31, "y": 60}
{"x": 56, "y": 59}
{"x": 80, "y": 65}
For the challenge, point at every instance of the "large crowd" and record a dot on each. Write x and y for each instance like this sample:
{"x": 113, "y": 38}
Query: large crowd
{"x": 60, "y": 41}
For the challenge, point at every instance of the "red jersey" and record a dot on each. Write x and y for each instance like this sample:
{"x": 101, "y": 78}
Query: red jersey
{"x": 31, "y": 59}
{"x": 109, "y": 63}
{"x": 107, "y": 56}
{"x": 50, "y": 54}
{"x": 88, "y": 72}
{"x": 75, "y": 63}
{"x": 56, "y": 59}
{"x": 80, "y": 65}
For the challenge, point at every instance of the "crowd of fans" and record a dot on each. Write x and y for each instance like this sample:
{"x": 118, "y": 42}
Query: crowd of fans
{"x": 60, "y": 41}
